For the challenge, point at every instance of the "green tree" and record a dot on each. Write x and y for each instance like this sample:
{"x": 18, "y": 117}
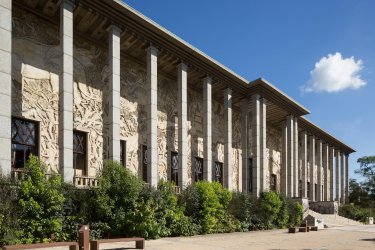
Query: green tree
{"x": 367, "y": 170}
{"x": 358, "y": 195}
{"x": 40, "y": 204}
{"x": 116, "y": 200}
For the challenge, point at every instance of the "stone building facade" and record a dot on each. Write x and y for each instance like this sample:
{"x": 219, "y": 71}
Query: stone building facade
{"x": 88, "y": 80}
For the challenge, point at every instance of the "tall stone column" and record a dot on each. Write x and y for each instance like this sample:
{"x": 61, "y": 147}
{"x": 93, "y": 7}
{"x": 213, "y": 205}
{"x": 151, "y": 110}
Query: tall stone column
{"x": 114, "y": 92}
{"x": 207, "y": 128}
{"x": 66, "y": 91}
{"x": 152, "y": 116}
{"x": 347, "y": 178}
{"x": 319, "y": 167}
{"x": 312, "y": 167}
{"x": 325, "y": 167}
{"x": 337, "y": 175}
{"x": 304, "y": 163}
{"x": 284, "y": 158}
{"x": 290, "y": 155}
{"x": 5, "y": 86}
{"x": 342, "y": 178}
{"x": 228, "y": 139}
{"x": 182, "y": 125}
{"x": 264, "y": 184}
{"x": 245, "y": 144}
{"x": 256, "y": 144}
{"x": 331, "y": 173}
{"x": 296, "y": 159}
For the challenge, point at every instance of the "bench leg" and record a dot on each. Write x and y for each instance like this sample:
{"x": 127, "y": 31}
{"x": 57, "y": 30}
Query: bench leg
{"x": 94, "y": 245}
{"x": 140, "y": 244}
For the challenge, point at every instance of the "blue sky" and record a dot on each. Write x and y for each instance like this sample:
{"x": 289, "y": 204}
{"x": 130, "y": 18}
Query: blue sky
{"x": 283, "y": 41}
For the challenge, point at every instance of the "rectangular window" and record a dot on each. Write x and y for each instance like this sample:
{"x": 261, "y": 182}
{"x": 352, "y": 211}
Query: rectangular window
{"x": 123, "y": 152}
{"x": 24, "y": 141}
{"x": 174, "y": 167}
{"x": 218, "y": 172}
{"x": 250, "y": 175}
{"x": 198, "y": 169}
{"x": 316, "y": 191}
{"x": 299, "y": 188}
{"x": 144, "y": 162}
{"x": 79, "y": 151}
{"x": 308, "y": 190}
{"x": 273, "y": 182}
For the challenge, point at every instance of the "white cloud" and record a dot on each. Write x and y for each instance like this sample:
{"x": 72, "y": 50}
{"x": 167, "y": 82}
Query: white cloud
{"x": 333, "y": 73}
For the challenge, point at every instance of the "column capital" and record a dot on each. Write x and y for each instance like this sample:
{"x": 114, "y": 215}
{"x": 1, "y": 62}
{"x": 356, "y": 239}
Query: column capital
{"x": 207, "y": 79}
{"x": 183, "y": 66}
{"x": 153, "y": 50}
{"x": 116, "y": 27}
{"x": 70, "y": 3}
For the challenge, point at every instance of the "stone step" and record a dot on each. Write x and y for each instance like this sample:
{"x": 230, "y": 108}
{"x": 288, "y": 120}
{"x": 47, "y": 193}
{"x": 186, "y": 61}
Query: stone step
{"x": 333, "y": 220}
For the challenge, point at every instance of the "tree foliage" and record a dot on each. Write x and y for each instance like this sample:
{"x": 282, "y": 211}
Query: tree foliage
{"x": 40, "y": 204}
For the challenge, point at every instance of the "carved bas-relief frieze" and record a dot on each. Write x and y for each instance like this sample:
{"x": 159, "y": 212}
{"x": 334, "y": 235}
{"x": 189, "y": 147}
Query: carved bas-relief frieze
{"x": 273, "y": 153}
{"x": 35, "y": 70}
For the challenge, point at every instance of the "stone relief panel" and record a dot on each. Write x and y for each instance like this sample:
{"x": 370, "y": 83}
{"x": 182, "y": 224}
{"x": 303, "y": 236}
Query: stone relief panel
{"x": 35, "y": 70}
{"x": 133, "y": 126}
{"x": 273, "y": 153}
{"x": 90, "y": 107}
{"x": 237, "y": 150}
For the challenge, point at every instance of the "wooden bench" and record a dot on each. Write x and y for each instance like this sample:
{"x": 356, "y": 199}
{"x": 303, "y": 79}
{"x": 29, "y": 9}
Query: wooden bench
{"x": 71, "y": 245}
{"x": 139, "y": 242}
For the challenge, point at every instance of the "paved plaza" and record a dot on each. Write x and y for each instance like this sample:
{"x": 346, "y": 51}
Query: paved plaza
{"x": 350, "y": 237}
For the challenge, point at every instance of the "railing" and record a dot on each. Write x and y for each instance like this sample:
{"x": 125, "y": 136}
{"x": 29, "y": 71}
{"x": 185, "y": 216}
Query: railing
{"x": 17, "y": 174}
{"x": 85, "y": 181}
{"x": 175, "y": 189}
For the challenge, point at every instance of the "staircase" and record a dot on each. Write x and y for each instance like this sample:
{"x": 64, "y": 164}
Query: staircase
{"x": 333, "y": 220}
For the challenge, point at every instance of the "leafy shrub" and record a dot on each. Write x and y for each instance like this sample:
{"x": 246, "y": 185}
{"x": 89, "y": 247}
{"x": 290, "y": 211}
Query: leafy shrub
{"x": 8, "y": 211}
{"x": 295, "y": 214}
{"x": 115, "y": 200}
{"x": 269, "y": 204}
{"x": 282, "y": 219}
{"x": 354, "y": 212}
{"x": 40, "y": 204}
{"x": 77, "y": 210}
{"x": 242, "y": 208}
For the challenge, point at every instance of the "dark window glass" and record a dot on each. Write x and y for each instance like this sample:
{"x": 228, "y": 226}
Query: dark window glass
{"x": 218, "y": 172}
{"x": 144, "y": 162}
{"x": 24, "y": 141}
{"x": 308, "y": 190}
{"x": 250, "y": 175}
{"x": 300, "y": 188}
{"x": 273, "y": 182}
{"x": 198, "y": 169}
{"x": 123, "y": 152}
{"x": 316, "y": 191}
{"x": 174, "y": 167}
{"x": 79, "y": 151}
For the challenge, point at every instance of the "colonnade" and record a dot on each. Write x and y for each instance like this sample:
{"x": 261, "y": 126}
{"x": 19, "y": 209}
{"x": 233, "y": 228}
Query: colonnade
{"x": 254, "y": 176}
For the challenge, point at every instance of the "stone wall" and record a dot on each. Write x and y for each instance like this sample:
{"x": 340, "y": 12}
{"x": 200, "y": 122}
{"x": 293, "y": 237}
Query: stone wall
{"x": 35, "y": 95}
{"x": 273, "y": 152}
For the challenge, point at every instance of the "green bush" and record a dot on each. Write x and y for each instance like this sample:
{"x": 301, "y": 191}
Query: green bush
{"x": 116, "y": 200}
{"x": 242, "y": 208}
{"x": 268, "y": 208}
{"x": 357, "y": 213}
{"x": 40, "y": 204}
{"x": 8, "y": 211}
{"x": 295, "y": 214}
{"x": 282, "y": 219}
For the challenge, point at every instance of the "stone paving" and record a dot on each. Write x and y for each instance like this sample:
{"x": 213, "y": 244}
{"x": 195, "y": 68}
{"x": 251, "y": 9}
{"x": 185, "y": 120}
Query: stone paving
{"x": 348, "y": 237}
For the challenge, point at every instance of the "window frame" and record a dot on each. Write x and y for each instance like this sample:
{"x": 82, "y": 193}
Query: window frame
{"x": 123, "y": 152}
{"x": 36, "y": 140}
{"x": 200, "y": 159}
{"x": 85, "y": 169}
{"x": 144, "y": 164}
{"x": 221, "y": 171}
{"x": 174, "y": 171}
{"x": 273, "y": 182}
